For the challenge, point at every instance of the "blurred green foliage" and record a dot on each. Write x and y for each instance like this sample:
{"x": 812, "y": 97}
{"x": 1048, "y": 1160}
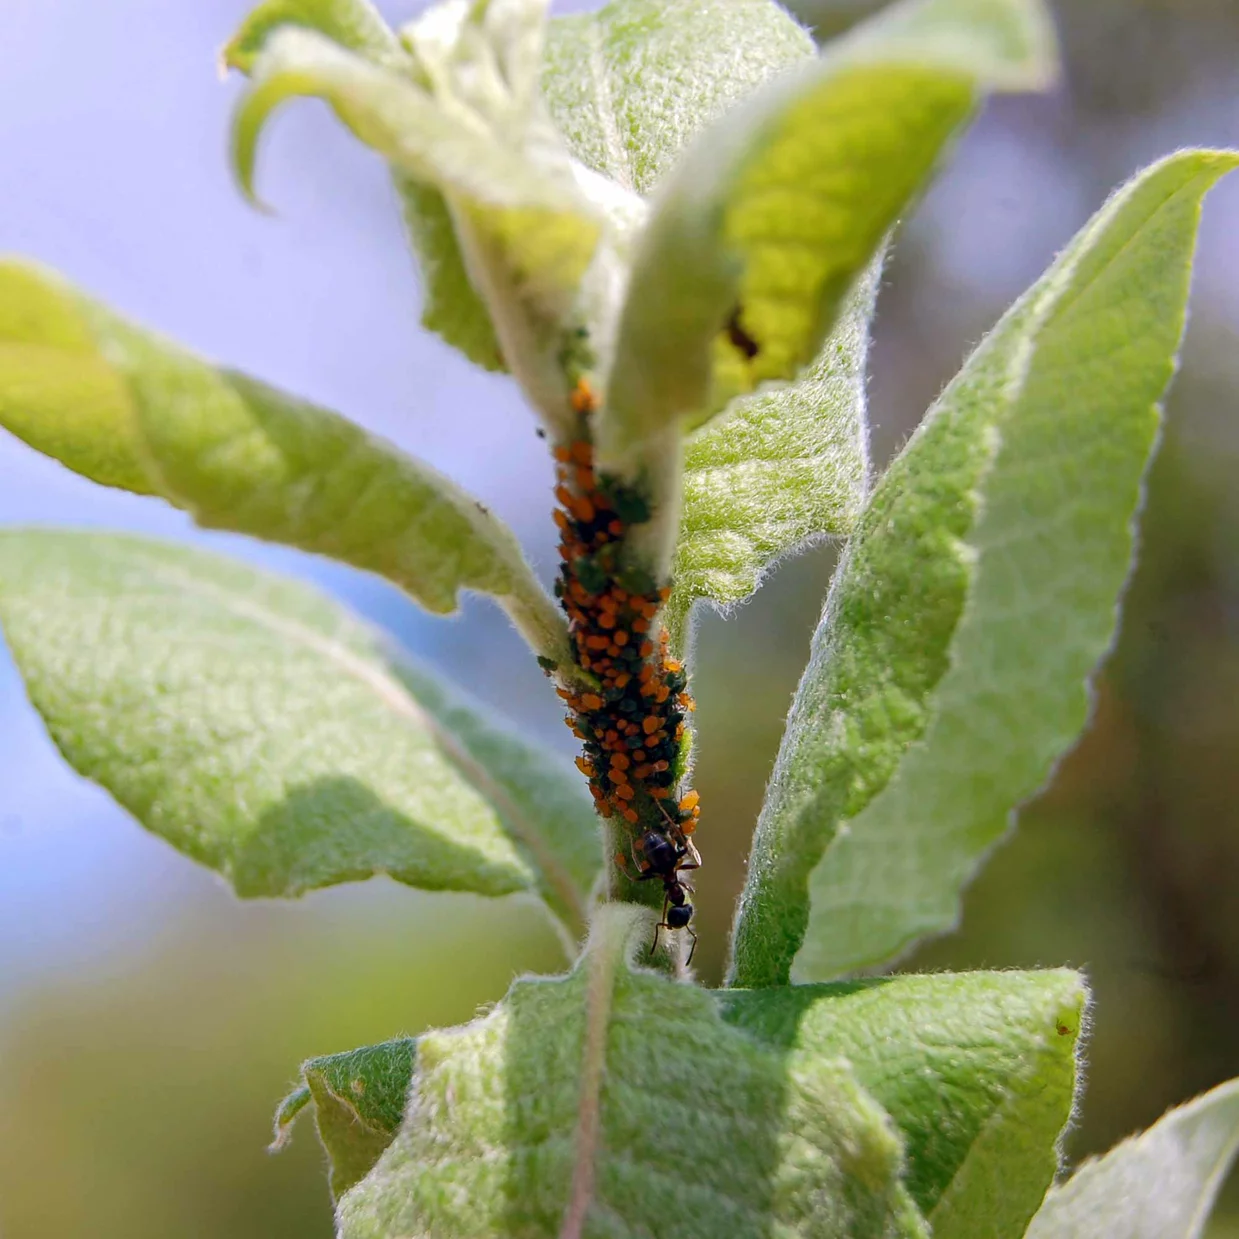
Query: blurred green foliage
{"x": 137, "y": 1101}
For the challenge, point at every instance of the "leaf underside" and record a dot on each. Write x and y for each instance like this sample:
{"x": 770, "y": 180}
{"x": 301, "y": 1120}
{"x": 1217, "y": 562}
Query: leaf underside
{"x": 266, "y": 733}
{"x": 976, "y": 1070}
{"x": 772, "y": 215}
{"x": 128, "y": 409}
{"x": 951, "y": 666}
{"x": 359, "y": 1101}
{"x": 1158, "y": 1185}
{"x": 775, "y": 471}
{"x": 626, "y": 1066}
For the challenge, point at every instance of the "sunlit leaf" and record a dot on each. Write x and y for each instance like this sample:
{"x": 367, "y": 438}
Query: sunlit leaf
{"x": 127, "y": 408}
{"x": 978, "y": 1070}
{"x": 358, "y": 1099}
{"x": 355, "y": 24}
{"x": 465, "y": 119}
{"x": 548, "y": 1117}
{"x": 263, "y": 731}
{"x": 1159, "y": 1185}
{"x": 632, "y": 83}
{"x": 951, "y": 666}
{"x": 777, "y": 209}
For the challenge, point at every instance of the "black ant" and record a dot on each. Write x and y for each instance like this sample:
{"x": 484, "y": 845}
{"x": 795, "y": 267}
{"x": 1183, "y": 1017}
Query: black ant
{"x": 665, "y": 858}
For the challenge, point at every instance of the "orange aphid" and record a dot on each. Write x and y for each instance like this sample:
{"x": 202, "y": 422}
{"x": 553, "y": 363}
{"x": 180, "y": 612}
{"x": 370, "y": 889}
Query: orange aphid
{"x": 688, "y": 802}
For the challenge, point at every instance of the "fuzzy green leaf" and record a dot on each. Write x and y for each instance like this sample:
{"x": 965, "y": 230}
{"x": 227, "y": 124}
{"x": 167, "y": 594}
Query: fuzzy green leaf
{"x": 263, "y": 731}
{"x": 358, "y": 1100}
{"x": 978, "y": 1070}
{"x": 631, "y": 84}
{"x": 951, "y": 667}
{"x": 777, "y": 470}
{"x": 549, "y": 1117}
{"x": 129, "y": 409}
{"x": 463, "y": 115}
{"x": 451, "y": 306}
{"x": 777, "y": 209}
{"x": 1159, "y": 1185}
{"x": 355, "y": 24}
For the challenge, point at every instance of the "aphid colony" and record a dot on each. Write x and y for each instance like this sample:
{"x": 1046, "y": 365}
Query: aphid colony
{"x": 632, "y": 723}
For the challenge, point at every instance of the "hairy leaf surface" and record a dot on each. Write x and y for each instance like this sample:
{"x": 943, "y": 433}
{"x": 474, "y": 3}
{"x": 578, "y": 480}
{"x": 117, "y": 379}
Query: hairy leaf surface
{"x": 978, "y": 1070}
{"x": 777, "y": 209}
{"x": 358, "y": 1099}
{"x": 951, "y": 666}
{"x": 451, "y": 306}
{"x": 548, "y": 1117}
{"x": 1159, "y": 1185}
{"x": 631, "y": 84}
{"x": 463, "y": 116}
{"x": 355, "y": 24}
{"x": 263, "y": 731}
{"x": 777, "y": 470}
{"x": 129, "y": 409}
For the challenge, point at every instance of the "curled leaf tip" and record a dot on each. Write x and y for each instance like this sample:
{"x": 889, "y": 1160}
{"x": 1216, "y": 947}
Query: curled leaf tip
{"x": 286, "y": 1116}
{"x": 250, "y": 120}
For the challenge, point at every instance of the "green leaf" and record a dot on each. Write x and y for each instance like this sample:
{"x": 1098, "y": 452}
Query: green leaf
{"x": 358, "y": 1100}
{"x": 630, "y": 85}
{"x": 776, "y": 210}
{"x": 978, "y": 1070}
{"x": 1159, "y": 1185}
{"x": 465, "y": 118}
{"x": 263, "y": 731}
{"x": 951, "y": 667}
{"x": 778, "y": 470}
{"x": 617, "y": 1102}
{"x": 355, "y": 24}
{"x": 129, "y": 409}
{"x": 451, "y": 306}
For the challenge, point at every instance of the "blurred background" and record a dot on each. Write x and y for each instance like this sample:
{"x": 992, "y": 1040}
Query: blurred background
{"x": 149, "y": 1021}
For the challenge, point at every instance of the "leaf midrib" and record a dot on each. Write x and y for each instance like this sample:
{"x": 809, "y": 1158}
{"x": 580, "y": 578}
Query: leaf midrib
{"x": 393, "y": 696}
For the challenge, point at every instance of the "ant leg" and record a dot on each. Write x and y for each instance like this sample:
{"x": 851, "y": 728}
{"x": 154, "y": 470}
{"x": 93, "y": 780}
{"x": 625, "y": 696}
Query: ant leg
{"x": 691, "y": 950}
{"x": 661, "y": 924}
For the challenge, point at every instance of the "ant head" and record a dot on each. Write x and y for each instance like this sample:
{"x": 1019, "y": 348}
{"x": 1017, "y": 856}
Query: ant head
{"x": 679, "y": 914}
